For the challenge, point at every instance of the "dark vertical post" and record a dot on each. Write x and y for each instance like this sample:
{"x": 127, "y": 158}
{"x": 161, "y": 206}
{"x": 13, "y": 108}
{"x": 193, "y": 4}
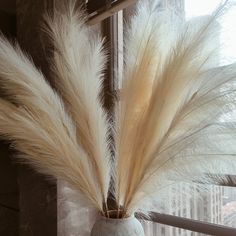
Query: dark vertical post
{"x": 38, "y": 197}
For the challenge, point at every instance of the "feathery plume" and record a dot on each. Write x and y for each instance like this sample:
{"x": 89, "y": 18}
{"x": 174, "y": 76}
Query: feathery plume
{"x": 174, "y": 120}
{"x": 79, "y": 62}
{"x": 144, "y": 58}
{"x": 36, "y": 121}
{"x": 157, "y": 133}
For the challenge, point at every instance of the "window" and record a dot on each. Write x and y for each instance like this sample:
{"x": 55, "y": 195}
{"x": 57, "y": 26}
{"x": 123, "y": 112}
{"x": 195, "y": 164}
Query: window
{"x": 215, "y": 205}
{"x": 174, "y": 231}
{"x": 227, "y": 35}
{"x": 163, "y": 231}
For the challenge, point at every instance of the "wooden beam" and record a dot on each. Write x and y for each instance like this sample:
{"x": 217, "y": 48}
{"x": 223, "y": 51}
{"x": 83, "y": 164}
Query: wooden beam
{"x": 104, "y": 13}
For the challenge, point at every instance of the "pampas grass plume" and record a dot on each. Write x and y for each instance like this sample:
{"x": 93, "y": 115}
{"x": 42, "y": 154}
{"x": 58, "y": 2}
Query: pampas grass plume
{"x": 173, "y": 120}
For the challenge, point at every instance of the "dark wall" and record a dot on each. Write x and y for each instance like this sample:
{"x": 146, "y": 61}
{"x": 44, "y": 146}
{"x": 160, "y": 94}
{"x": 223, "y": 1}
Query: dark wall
{"x": 8, "y": 6}
{"x": 8, "y": 23}
{"x": 38, "y": 197}
{"x": 28, "y": 202}
{"x": 9, "y": 194}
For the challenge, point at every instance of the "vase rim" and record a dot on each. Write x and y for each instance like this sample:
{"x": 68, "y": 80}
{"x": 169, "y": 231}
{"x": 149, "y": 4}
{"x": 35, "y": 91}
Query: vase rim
{"x": 117, "y": 219}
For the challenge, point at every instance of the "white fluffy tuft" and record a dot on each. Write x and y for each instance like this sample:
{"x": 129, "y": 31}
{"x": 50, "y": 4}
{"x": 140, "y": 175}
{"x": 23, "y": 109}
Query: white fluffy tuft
{"x": 170, "y": 121}
{"x": 174, "y": 121}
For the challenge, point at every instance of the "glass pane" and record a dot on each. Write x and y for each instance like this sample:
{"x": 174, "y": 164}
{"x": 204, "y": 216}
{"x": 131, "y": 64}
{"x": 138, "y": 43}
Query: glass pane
{"x": 155, "y": 229}
{"x": 213, "y": 204}
{"x": 227, "y": 35}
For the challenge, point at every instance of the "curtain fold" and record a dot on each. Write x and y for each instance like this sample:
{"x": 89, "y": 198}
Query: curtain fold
{"x": 75, "y": 217}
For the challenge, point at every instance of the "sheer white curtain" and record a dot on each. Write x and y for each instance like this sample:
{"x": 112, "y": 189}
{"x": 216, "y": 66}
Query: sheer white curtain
{"x": 75, "y": 218}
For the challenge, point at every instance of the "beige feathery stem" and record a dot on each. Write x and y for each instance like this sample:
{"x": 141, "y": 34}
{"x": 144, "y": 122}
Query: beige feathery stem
{"x": 143, "y": 61}
{"x": 26, "y": 87}
{"x": 79, "y": 61}
{"x": 151, "y": 127}
{"x": 175, "y": 119}
{"x": 179, "y": 74}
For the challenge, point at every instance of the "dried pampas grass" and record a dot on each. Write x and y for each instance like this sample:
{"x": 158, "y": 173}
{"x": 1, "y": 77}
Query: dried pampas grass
{"x": 79, "y": 63}
{"x": 169, "y": 118}
{"x": 34, "y": 118}
{"x": 174, "y": 119}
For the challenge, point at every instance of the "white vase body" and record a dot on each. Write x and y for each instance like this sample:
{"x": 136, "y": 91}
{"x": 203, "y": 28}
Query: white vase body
{"x": 117, "y": 227}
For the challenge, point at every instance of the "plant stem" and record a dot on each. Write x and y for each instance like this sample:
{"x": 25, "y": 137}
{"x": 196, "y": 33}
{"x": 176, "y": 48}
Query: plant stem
{"x": 107, "y": 210}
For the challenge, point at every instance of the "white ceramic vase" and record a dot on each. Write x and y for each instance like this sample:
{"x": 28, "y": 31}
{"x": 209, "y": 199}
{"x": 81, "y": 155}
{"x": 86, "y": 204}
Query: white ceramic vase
{"x": 117, "y": 227}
